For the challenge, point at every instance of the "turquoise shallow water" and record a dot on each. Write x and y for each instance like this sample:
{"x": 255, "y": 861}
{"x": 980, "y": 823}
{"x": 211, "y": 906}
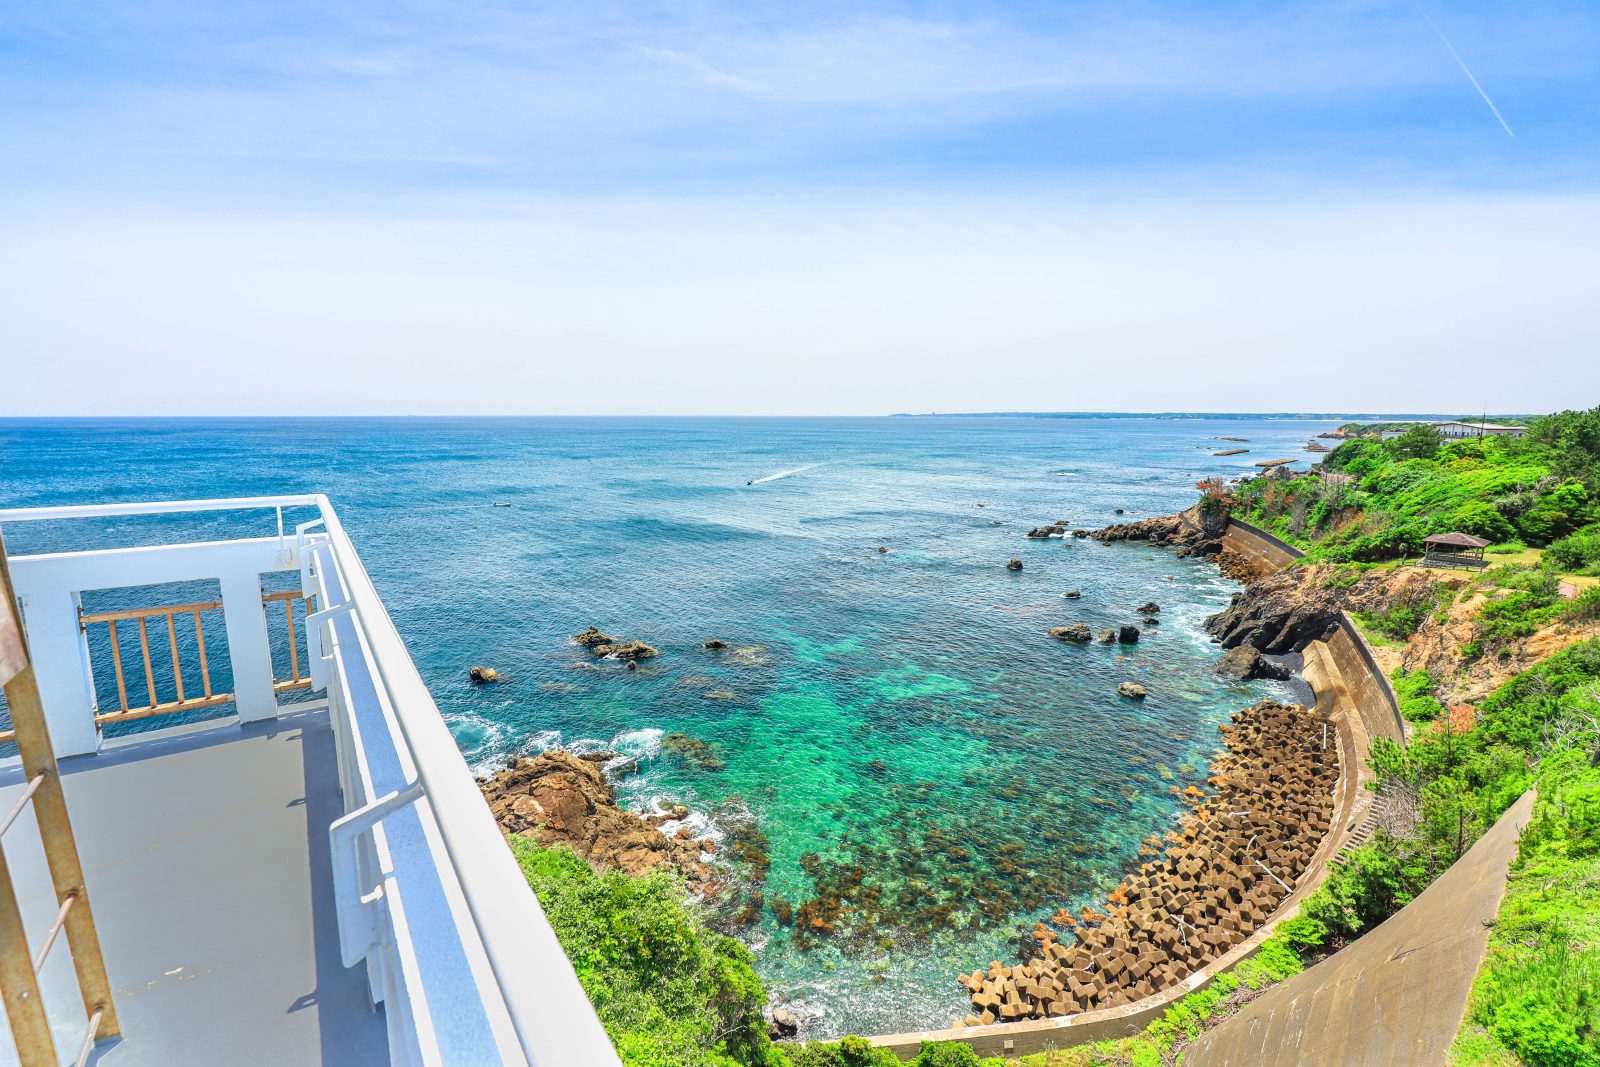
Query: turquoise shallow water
{"x": 923, "y": 767}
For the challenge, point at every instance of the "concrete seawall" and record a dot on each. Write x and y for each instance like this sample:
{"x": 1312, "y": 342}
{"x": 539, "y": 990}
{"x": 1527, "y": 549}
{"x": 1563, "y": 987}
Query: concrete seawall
{"x": 1353, "y": 695}
{"x": 1369, "y": 687}
{"x": 1264, "y": 551}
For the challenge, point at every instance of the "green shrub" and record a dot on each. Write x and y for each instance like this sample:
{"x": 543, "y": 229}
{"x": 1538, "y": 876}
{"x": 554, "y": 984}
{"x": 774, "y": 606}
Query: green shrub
{"x": 1419, "y": 442}
{"x": 858, "y": 1052}
{"x": 1480, "y": 519}
{"x": 1535, "y": 490}
{"x": 1531, "y": 603}
{"x": 1585, "y": 607}
{"x": 669, "y": 991}
{"x": 949, "y": 1054}
{"x": 1414, "y": 691}
{"x": 1371, "y": 883}
{"x": 1578, "y": 551}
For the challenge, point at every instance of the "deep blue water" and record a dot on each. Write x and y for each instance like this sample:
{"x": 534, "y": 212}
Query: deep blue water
{"x": 927, "y": 768}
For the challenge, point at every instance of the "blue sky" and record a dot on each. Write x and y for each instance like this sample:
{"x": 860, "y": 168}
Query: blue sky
{"x": 796, "y": 208}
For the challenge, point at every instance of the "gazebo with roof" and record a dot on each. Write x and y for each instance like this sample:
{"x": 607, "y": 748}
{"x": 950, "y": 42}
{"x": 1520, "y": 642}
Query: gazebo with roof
{"x": 1453, "y": 549}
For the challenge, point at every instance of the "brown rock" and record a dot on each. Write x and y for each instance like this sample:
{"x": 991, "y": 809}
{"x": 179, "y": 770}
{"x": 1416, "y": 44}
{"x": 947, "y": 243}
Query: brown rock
{"x": 594, "y": 636}
{"x": 563, "y": 799}
{"x": 1078, "y": 631}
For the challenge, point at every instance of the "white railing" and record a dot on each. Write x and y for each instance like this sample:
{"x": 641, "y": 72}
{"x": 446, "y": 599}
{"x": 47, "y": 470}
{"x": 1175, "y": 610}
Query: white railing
{"x": 426, "y": 891}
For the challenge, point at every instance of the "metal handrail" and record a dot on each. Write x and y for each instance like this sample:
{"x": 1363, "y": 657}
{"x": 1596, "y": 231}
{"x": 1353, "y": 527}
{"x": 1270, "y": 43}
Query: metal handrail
{"x": 160, "y": 507}
{"x": 565, "y": 1024}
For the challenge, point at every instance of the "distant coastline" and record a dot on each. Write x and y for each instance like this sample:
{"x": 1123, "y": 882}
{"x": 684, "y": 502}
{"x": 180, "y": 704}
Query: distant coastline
{"x": 1346, "y": 416}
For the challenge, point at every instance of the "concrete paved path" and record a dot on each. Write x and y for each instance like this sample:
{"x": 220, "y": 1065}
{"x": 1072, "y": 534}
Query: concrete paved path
{"x": 1396, "y": 996}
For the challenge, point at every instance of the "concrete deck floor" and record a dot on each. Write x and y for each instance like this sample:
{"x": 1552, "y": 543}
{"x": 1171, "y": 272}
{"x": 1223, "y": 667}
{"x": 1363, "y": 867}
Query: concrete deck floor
{"x": 206, "y": 856}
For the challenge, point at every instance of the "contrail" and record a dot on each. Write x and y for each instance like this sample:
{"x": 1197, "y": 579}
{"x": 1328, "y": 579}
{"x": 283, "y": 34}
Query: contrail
{"x": 1463, "y": 65}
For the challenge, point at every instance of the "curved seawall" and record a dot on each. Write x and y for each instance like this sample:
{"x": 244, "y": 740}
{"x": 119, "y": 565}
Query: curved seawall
{"x": 1354, "y": 696}
{"x": 1369, "y": 687}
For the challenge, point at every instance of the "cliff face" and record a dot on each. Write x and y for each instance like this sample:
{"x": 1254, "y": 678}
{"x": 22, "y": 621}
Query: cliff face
{"x": 1439, "y": 647}
{"x": 1286, "y": 611}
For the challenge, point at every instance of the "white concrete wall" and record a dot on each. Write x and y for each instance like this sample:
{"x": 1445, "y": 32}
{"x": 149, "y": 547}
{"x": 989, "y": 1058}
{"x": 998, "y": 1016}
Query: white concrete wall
{"x": 48, "y": 587}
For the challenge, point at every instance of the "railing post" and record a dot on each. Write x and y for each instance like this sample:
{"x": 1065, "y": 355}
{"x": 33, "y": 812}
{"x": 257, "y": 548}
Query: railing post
{"x": 57, "y": 643}
{"x": 249, "y": 648}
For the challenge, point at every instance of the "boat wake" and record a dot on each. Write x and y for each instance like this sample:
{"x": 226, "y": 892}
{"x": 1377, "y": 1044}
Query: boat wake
{"x": 786, "y": 474}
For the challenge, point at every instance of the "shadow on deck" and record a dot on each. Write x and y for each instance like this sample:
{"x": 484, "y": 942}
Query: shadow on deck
{"x": 206, "y": 856}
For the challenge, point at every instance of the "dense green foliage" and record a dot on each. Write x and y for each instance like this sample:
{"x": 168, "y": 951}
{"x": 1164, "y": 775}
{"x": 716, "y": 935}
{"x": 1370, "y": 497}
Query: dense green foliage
{"x": 669, "y": 991}
{"x": 1538, "y": 490}
{"x": 1578, "y": 552}
{"x": 1371, "y": 883}
{"x": 1414, "y": 691}
{"x": 1538, "y": 992}
{"x": 1538, "y": 995}
{"x": 856, "y": 1052}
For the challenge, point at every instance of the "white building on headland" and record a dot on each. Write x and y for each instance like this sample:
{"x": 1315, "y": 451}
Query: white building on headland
{"x": 1458, "y": 430}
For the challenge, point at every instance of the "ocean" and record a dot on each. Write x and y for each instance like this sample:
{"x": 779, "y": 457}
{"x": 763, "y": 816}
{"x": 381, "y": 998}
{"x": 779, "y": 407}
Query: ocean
{"x": 924, "y": 770}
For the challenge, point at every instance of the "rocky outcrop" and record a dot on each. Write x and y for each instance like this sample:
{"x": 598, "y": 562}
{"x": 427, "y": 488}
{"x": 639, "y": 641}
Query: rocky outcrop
{"x": 1246, "y": 661}
{"x": 714, "y": 645}
{"x": 483, "y": 675}
{"x": 1195, "y": 531}
{"x": 1107, "y": 636}
{"x": 1131, "y": 690}
{"x": 1216, "y": 881}
{"x": 1014, "y": 565}
{"x": 603, "y": 644}
{"x": 1077, "y": 631}
{"x": 562, "y": 799}
{"x": 593, "y": 636}
{"x": 784, "y": 1024}
{"x": 1128, "y": 635}
{"x": 1286, "y": 611}
{"x": 1072, "y": 594}
{"x": 1149, "y": 607}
